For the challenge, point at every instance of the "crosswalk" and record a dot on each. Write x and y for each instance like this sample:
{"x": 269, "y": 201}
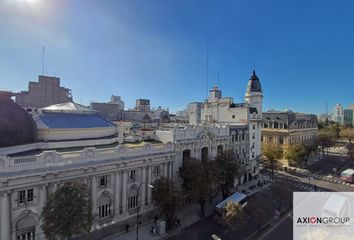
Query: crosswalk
{"x": 328, "y": 178}
{"x": 302, "y": 187}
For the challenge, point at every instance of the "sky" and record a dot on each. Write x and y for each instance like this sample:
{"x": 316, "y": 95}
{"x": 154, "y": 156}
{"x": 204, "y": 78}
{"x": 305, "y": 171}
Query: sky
{"x": 302, "y": 50}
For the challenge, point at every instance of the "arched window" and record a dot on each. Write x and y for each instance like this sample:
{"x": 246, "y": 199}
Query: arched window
{"x": 26, "y": 228}
{"x": 219, "y": 149}
{"x": 133, "y": 197}
{"x": 186, "y": 155}
{"x": 204, "y": 156}
{"x": 104, "y": 206}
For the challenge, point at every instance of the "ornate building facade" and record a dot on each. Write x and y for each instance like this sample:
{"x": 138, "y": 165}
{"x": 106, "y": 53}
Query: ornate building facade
{"x": 69, "y": 142}
{"x": 287, "y": 127}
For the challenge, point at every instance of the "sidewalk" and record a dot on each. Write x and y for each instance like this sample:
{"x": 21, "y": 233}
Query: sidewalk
{"x": 187, "y": 216}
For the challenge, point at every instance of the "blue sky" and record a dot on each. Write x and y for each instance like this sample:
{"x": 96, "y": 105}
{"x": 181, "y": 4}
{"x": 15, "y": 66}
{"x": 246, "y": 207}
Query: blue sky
{"x": 303, "y": 51}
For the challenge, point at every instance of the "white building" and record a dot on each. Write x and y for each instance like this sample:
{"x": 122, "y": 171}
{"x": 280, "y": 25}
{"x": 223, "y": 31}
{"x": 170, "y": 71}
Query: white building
{"x": 69, "y": 142}
{"x": 75, "y": 144}
{"x": 218, "y": 109}
{"x": 338, "y": 114}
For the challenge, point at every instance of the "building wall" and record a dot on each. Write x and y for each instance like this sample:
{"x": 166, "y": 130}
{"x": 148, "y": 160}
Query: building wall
{"x": 284, "y": 128}
{"x": 45, "y": 172}
{"x": 194, "y": 112}
{"x": 338, "y": 114}
{"x": 348, "y": 117}
{"x": 109, "y": 111}
{"x": 45, "y": 92}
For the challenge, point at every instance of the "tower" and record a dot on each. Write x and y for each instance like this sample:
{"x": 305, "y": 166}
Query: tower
{"x": 254, "y": 93}
{"x": 254, "y": 98}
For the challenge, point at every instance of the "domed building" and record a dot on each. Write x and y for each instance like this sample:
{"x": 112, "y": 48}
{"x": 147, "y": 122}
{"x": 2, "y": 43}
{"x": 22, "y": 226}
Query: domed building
{"x": 16, "y": 125}
{"x": 72, "y": 121}
{"x": 254, "y": 85}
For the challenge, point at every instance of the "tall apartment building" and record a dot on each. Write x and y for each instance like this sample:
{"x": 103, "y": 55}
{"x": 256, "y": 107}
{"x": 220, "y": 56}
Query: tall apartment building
{"x": 338, "y": 114}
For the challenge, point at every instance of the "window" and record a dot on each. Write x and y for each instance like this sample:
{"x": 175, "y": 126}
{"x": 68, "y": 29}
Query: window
{"x": 253, "y": 126}
{"x": 104, "y": 210}
{"x": 29, "y": 195}
{"x": 21, "y": 197}
{"x": 104, "y": 181}
{"x": 253, "y": 136}
{"x": 132, "y": 175}
{"x": 104, "y": 206}
{"x": 132, "y": 202}
{"x": 25, "y": 196}
{"x": 233, "y": 116}
{"x": 156, "y": 171}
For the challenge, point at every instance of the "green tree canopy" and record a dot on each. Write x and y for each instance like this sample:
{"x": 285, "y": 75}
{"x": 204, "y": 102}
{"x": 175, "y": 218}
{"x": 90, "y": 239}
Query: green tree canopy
{"x": 309, "y": 148}
{"x": 326, "y": 139}
{"x": 230, "y": 168}
{"x": 233, "y": 216}
{"x": 167, "y": 197}
{"x": 199, "y": 180}
{"x": 272, "y": 153}
{"x": 296, "y": 153}
{"x": 67, "y": 212}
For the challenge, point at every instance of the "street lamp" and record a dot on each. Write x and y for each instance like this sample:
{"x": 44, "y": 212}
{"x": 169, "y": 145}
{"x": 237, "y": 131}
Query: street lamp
{"x": 137, "y": 211}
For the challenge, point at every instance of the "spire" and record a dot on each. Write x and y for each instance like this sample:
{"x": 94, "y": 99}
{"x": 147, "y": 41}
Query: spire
{"x": 254, "y": 72}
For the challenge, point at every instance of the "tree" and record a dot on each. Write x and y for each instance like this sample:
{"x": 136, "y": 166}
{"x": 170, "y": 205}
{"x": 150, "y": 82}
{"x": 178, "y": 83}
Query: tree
{"x": 199, "y": 180}
{"x": 233, "y": 216}
{"x": 67, "y": 212}
{"x": 272, "y": 154}
{"x": 230, "y": 169}
{"x": 167, "y": 197}
{"x": 350, "y": 149}
{"x": 347, "y": 133}
{"x": 309, "y": 148}
{"x": 326, "y": 140}
{"x": 295, "y": 153}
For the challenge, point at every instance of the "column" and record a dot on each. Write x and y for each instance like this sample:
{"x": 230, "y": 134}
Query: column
{"x": 124, "y": 191}
{"x": 143, "y": 190}
{"x": 54, "y": 187}
{"x": 116, "y": 194}
{"x": 165, "y": 170}
{"x": 171, "y": 171}
{"x": 43, "y": 196}
{"x": 43, "y": 193}
{"x": 5, "y": 216}
{"x": 148, "y": 169}
{"x": 94, "y": 194}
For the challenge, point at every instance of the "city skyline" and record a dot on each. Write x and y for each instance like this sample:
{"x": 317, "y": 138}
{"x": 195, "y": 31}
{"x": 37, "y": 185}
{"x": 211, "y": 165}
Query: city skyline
{"x": 138, "y": 50}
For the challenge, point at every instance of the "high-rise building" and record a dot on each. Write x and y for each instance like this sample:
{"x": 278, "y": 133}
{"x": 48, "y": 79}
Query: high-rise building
{"x": 348, "y": 117}
{"x": 338, "y": 114}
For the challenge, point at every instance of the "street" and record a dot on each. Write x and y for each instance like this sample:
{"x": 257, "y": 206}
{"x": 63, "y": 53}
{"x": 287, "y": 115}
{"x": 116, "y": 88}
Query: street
{"x": 261, "y": 206}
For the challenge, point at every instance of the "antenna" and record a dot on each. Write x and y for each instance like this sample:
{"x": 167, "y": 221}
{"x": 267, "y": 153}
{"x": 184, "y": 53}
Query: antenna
{"x": 218, "y": 83}
{"x": 207, "y": 66}
{"x": 42, "y": 60}
{"x": 326, "y": 120}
